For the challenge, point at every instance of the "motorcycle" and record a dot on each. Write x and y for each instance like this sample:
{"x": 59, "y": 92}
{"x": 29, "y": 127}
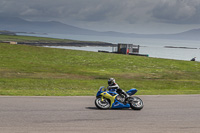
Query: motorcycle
{"x": 106, "y": 99}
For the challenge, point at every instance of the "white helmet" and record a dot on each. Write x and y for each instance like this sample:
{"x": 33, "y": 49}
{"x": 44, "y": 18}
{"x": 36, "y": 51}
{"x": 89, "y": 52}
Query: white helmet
{"x": 111, "y": 81}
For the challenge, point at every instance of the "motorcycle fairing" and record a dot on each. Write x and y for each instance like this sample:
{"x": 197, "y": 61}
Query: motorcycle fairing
{"x": 108, "y": 96}
{"x": 114, "y": 102}
{"x": 118, "y": 104}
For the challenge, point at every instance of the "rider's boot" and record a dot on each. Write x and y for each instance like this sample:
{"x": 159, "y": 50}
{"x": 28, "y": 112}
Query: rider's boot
{"x": 126, "y": 98}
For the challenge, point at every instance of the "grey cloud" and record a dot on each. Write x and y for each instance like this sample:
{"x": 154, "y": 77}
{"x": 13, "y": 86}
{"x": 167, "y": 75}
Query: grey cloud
{"x": 36, "y": 8}
{"x": 84, "y": 10}
{"x": 113, "y": 11}
{"x": 177, "y": 11}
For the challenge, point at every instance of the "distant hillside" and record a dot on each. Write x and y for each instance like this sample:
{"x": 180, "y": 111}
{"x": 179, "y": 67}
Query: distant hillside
{"x": 20, "y": 25}
{"x": 4, "y": 32}
{"x": 193, "y": 34}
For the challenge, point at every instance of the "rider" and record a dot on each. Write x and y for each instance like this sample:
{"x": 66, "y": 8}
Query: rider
{"x": 112, "y": 85}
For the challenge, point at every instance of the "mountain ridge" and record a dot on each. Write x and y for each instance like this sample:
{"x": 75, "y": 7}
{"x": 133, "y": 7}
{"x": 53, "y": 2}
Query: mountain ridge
{"x": 16, "y": 24}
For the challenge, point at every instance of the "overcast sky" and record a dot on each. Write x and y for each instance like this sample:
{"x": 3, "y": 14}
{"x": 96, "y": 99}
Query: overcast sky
{"x": 132, "y": 16}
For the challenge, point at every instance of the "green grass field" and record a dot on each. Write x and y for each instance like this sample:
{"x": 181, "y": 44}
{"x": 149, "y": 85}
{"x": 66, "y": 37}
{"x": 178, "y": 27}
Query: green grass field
{"x": 32, "y": 39}
{"x": 38, "y": 71}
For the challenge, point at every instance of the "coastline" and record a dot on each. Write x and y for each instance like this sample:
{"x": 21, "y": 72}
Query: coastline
{"x": 75, "y": 44}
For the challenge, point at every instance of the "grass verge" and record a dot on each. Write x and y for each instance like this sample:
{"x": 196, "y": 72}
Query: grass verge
{"x": 38, "y": 71}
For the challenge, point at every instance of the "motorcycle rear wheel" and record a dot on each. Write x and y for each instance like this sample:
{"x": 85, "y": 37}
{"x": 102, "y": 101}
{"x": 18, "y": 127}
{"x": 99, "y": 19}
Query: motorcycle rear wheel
{"x": 136, "y": 103}
{"x": 102, "y": 104}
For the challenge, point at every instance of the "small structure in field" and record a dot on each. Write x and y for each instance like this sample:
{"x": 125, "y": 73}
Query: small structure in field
{"x": 122, "y": 48}
{"x": 127, "y": 49}
{"x": 10, "y": 42}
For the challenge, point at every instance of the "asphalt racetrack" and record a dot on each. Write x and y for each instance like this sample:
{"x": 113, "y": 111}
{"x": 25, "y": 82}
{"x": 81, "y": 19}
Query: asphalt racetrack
{"x": 161, "y": 114}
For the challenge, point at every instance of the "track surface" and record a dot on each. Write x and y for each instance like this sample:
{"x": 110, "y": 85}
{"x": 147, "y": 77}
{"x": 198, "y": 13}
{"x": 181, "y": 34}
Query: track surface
{"x": 161, "y": 114}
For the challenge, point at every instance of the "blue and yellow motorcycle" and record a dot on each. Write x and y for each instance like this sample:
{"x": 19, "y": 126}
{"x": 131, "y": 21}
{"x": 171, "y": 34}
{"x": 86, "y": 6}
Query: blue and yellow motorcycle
{"x": 106, "y": 99}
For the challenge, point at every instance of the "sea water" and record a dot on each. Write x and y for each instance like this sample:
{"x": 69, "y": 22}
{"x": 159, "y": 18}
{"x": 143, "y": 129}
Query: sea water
{"x": 153, "y": 47}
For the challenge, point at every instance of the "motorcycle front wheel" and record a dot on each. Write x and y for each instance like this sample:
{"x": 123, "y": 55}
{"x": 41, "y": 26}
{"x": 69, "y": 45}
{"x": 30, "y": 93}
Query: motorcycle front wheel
{"x": 136, "y": 103}
{"x": 102, "y": 104}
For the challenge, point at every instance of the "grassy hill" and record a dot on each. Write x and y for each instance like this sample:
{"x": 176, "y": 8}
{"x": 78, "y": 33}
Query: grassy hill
{"x": 45, "y": 41}
{"x": 17, "y": 38}
{"x": 38, "y": 71}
